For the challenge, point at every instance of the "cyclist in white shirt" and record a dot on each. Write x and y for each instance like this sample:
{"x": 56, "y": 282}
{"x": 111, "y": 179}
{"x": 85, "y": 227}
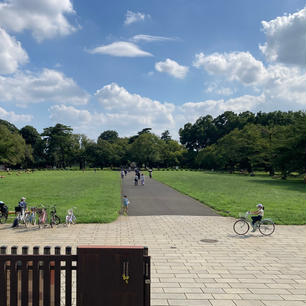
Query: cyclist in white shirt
{"x": 259, "y": 213}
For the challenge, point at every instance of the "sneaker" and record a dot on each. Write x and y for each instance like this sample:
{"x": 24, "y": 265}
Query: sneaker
{"x": 253, "y": 230}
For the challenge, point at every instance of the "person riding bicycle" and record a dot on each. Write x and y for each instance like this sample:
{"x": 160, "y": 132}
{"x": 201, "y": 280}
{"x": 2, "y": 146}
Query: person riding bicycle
{"x": 259, "y": 213}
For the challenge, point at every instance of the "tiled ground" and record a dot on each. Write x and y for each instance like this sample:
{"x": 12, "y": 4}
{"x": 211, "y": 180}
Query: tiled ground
{"x": 235, "y": 271}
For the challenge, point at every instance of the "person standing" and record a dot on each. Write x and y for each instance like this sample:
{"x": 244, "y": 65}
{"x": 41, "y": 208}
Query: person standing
{"x": 150, "y": 173}
{"x": 126, "y": 203}
{"x": 23, "y": 205}
{"x": 122, "y": 174}
{"x": 136, "y": 180}
{"x": 142, "y": 179}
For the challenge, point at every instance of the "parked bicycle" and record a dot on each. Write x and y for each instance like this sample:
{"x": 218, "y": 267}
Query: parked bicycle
{"x": 54, "y": 218}
{"x": 3, "y": 212}
{"x": 242, "y": 226}
{"x": 31, "y": 216}
{"x": 42, "y": 216}
{"x": 70, "y": 218}
{"x": 21, "y": 216}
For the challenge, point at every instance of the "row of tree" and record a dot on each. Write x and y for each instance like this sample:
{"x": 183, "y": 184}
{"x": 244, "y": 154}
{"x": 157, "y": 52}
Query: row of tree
{"x": 271, "y": 141}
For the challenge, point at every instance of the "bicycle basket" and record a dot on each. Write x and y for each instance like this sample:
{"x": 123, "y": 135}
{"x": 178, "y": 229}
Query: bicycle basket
{"x": 242, "y": 215}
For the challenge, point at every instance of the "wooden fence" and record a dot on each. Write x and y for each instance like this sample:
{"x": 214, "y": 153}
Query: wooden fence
{"x": 65, "y": 279}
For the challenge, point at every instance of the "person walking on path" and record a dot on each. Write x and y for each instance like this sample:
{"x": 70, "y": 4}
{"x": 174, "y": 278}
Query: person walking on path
{"x": 136, "y": 180}
{"x": 150, "y": 173}
{"x": 122, "y": 174}
{"x": 142, "y": 180}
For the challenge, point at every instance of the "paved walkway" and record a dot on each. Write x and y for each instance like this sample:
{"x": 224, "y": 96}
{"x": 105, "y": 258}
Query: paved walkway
{"x": 155, "y": 198}
{"x": 234, "y": 271}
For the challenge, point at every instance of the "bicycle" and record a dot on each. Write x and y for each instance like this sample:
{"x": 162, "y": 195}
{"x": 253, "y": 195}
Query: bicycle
{"x": 242, "y": 226}
{"x": 54, "y": 218}
{"x": 3, "y": 212}
{"x": 42, "y": 216}
{"x": 31, "y": 216}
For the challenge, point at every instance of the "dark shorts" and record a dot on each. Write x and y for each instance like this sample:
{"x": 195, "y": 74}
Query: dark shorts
{"x": 255, "y": 219}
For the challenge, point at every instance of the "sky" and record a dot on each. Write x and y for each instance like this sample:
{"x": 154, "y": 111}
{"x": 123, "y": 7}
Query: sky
{"x": 128, "y": 65}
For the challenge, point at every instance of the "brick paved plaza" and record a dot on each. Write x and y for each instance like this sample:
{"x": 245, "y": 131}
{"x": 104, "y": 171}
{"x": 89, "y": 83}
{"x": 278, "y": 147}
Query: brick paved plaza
{"x": 235, "y": 271}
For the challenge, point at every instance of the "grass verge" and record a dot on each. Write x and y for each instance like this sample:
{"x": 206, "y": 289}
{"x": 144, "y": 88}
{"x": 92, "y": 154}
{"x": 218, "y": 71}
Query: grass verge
{"x": 96, "y": 195}
{"x": 231, "y": 194}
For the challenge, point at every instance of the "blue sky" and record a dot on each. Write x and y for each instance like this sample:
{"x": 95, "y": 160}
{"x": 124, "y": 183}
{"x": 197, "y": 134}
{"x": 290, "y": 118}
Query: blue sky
{"x": 127, "y": 65}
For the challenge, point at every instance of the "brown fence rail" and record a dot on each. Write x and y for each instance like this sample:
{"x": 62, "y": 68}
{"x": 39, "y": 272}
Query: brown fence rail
{"x": 123, "y": 274}
{"x": 35, "y": 279}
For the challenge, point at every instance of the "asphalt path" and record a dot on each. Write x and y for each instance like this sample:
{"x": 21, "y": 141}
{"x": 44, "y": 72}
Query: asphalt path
{"x": 155, "y": 198}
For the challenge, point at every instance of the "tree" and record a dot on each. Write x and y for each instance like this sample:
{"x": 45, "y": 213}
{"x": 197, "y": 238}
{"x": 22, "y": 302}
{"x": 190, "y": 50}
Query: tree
{"x": 109, "y": 135}
{"x": 290, "y": 150}
{"x": 243, "y": 148}
{"x": 11, "y": 127}
{"x": 165, "y": 136}
{"x": 171, "y": 153}
{"x": 13, "y": 149}
{"x": 146, "y": 150}
{"x": 60, "y": 145}
{"x": 34, "y": 140}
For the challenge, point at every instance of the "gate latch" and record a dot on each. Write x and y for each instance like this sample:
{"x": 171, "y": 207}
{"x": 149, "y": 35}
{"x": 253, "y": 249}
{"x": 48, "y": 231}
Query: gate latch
{"x": 125, "y": 272}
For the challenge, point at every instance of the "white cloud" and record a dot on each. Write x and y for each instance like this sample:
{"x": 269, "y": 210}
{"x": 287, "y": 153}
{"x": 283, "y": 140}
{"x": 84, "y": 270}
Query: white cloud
{"x": 11, "y": 53}
{"x": 64, "y": 113}
{"x": 219, "y": 90}
{"x": 193, "y": 110}
{"x": 240, "y": 66}
{"x": 285, "y": 86}
{"x": 118, "y": 100}
{"x": 49, "y": 85}
{"x": 132, "y": 17}
{"x": 45, "y": 19}
{"x": 13, "y": 117}
{"x": 120, "y": 110}
{"x": 286, "y": 39}
{"x": 122, "y": 49}
{"x": 172, "y": 67}
{"x": 151, "y": 38}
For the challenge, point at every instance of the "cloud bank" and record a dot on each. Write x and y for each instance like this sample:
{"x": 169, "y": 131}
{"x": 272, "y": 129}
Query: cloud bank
{"x": 45, "y": 19}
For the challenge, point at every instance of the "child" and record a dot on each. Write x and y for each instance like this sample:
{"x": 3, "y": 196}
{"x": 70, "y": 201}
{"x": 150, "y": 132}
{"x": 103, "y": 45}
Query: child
{"x": 126, "y": 203}
{"x": 259, "y": 214}
{"x": 142, "y": 179}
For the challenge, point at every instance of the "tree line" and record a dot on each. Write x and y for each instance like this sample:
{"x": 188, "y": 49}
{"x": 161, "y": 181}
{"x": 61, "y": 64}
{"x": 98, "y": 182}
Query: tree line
{"x": 274, "y": 141}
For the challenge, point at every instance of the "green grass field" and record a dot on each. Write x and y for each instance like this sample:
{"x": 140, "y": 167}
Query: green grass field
{"x": 97, "y": 195}
{"x": 231, "y": 194}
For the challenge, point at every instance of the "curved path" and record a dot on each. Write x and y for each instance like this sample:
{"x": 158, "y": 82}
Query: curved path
{"x": 155, "y": 198}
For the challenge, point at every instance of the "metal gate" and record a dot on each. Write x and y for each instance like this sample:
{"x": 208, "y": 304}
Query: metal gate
{"x": 96, "y": 275}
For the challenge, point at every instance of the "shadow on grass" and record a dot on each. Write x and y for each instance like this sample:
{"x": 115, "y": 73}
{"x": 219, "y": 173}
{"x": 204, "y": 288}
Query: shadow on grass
{"x": 292, "y": 185}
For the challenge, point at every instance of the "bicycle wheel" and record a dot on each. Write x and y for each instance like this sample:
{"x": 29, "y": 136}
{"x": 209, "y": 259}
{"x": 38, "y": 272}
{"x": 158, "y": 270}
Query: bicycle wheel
{"x": 241, "y": 227}
{"x": 267, "y": 227}
{"x": 3, "y": 218}
{"x": 56, "y": 220}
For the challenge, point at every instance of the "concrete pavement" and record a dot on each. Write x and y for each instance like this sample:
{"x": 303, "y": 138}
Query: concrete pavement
{"x": 234, "y": 271}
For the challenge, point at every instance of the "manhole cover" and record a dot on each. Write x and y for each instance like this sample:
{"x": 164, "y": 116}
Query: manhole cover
{"x": 209, "y": 240}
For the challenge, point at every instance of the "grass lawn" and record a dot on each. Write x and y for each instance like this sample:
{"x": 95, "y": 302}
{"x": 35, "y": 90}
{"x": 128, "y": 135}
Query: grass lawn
{"x": 231, "y": 194}
{"x": 97, "y": 195}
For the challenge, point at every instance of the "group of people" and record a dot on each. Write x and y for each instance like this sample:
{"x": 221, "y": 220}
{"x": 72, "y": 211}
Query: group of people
{"x": 139, "y": 178}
